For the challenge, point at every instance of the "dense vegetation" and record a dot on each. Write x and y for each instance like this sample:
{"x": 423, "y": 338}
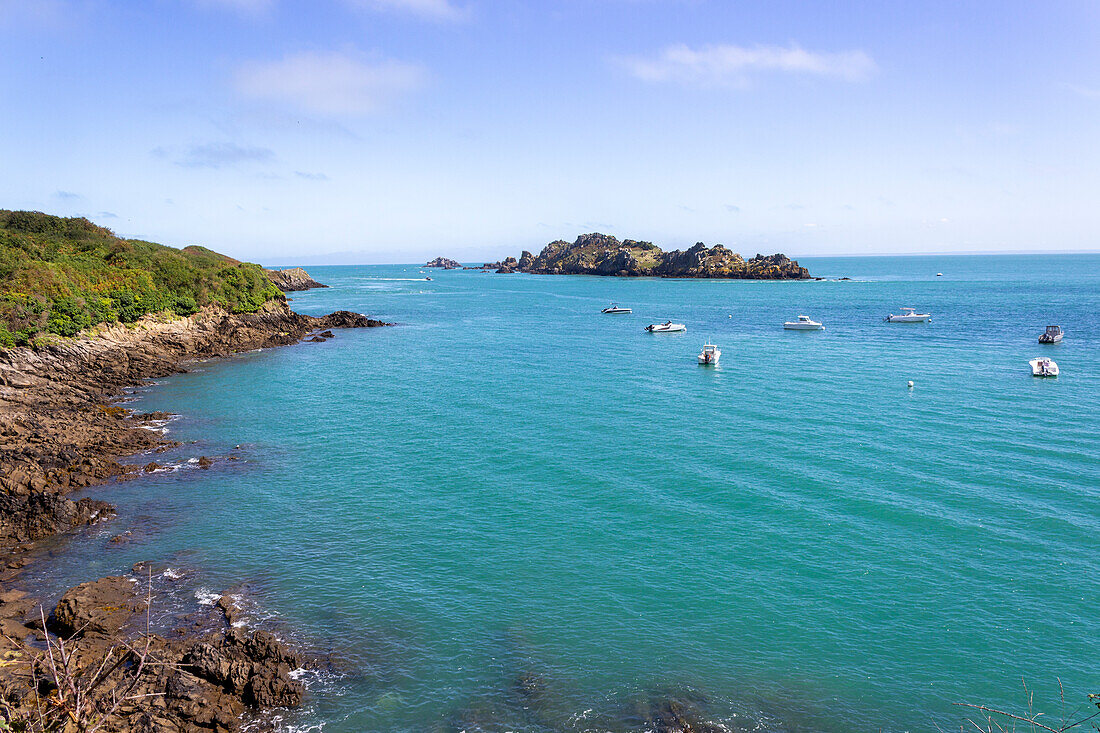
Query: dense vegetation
{"x": 60, "y": 276}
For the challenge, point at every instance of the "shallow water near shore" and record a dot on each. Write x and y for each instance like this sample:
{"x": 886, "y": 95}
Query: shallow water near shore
{"x": 512, "y": 512}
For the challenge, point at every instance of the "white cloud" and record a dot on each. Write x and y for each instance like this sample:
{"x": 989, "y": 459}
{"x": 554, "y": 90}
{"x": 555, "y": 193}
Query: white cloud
{"x": 727, "y": 65}
{"x": 1086, "y": 92}
{"x": 430, "y": 9}
{"x": 329, "y": 84}
{"x": 215, "y": 155}
{"x": 248, "y": 7}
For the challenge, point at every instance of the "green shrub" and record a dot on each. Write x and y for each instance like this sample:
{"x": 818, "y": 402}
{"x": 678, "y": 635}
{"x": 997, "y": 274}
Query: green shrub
{"x": 60, "y": 276}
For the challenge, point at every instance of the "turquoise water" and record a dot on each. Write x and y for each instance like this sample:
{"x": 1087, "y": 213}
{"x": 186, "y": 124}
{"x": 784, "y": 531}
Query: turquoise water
{"x": 510, "y": 485}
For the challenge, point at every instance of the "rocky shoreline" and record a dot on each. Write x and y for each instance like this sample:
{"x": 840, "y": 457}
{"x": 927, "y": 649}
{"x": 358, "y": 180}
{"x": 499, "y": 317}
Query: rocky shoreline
{"x": 60, "y": 431}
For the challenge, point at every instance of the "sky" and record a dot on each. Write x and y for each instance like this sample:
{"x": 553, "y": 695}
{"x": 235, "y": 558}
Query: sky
{"x": 375, "y": 131}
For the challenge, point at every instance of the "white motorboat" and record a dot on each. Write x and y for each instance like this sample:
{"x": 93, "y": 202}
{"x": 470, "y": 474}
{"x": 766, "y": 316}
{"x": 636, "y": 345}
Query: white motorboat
{"x": 666, "y": 327}
{"x": 710, "y": 354}
{"x": 1052, "y": 335}
{"x": 1043, "y": 367}
{"x": 909, "y": 315}
{"x": 939, "y": 274}
{"x": 615, "y": 309}
{"x": 803, "y": 324}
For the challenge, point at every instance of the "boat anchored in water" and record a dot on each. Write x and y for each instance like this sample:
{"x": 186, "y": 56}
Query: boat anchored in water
{"x": 1043, "y": 367}
{"x": 710, "y": 355}
{"x": 666, "y": 327}
{"x": 804, "y": 324}
{"x": 909, "y": 315}
{"x": 615, "y": 309}
{"x": 1052, "y": 335}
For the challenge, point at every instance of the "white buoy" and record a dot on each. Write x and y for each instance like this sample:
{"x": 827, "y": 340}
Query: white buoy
{"x": 731, "y": 315}
{"x": 910, "y": 384}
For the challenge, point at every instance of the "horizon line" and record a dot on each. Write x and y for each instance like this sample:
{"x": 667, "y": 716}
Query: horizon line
{"x": 965, "y": 253}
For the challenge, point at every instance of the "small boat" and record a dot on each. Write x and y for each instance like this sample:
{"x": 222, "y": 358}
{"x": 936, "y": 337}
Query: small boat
{"x": 939, "y": 274}
{"x": 1052, "y": 335}
{"x": 666, "y": 327}
{"x": 909, "y": 315}
{"x": 803, "y": 324}
{"x": 1043, "y": 367}
{"x": 710, "y": 355}
{"x": 615, "y": 309}
{"x": 427, "y": 278}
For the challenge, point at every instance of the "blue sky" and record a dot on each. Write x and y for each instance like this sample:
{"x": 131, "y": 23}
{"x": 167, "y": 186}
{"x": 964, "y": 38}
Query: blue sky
{"x": 394, "y": 130}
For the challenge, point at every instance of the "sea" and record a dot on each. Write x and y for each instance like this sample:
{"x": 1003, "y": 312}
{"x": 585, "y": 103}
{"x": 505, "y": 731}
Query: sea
{"x": 511, "y": 512}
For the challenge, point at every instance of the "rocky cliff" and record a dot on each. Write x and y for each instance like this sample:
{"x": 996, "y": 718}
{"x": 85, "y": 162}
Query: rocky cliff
{"x": 601, "y": 254}
{"x": 292, "y": 279}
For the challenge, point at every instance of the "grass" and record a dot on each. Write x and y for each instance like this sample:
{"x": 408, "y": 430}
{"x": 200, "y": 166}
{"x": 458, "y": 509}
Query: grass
{"x": 61, "y": 276}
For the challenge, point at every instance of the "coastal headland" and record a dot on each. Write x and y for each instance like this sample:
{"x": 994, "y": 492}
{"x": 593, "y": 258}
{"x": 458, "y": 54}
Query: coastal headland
{"x": 602, "y": 254}
{"x": 84, "y": 315}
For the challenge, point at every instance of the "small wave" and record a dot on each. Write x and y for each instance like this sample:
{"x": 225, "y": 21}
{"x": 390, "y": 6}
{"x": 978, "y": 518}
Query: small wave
{"x": 206, "y": 598}
{"x": 172, "y": 574}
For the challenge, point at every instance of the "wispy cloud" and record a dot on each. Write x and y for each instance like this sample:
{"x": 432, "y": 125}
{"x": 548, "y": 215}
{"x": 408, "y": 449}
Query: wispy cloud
{"x": 311, "y": 176}
{"x": 42, "y": 13}
{"x": 733, "y": 209}
{"x": 67, "y": 196}
{"x": 727, "y": 65}
{"x": 215, "y": 155}
{"x": 106, "y": 215}
{"x": 245, "y": 7}
{"x": 429, "y": 9}
{"x": 1086, "y": 92}
{"x": 329, "y": 84}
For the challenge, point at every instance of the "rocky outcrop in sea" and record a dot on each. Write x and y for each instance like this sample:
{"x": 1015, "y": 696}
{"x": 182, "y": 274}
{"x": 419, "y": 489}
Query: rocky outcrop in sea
{"x": 444, "y": 263}
{"x": 292, "y": 279}
{"x": 602, "y": 254}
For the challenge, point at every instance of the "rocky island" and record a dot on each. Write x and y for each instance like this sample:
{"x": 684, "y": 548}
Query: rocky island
{"x": 443, "y": 262}
{"x": 601, "y": 254}
{"x": 85, "y": 314}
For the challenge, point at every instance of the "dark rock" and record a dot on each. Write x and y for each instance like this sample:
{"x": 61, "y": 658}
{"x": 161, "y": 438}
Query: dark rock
{"x": 100, "y": 606}
{"x": 601, "y": 254}
{"x": 444, "y": 263}
{"x": 347, "y": 319}
{"x": 205, "y": 462}
{"x": 292, "y": 279}
{"x": 150, "y": 467}
{"x": 326, "y": 334}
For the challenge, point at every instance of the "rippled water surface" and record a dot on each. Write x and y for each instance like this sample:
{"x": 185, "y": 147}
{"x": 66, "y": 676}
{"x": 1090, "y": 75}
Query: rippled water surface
{"x": 514, "y": 513}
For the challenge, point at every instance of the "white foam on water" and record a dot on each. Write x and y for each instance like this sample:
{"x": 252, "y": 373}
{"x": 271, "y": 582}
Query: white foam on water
{"x": 172, "y": 574}
{"x": 206, "y": 598}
